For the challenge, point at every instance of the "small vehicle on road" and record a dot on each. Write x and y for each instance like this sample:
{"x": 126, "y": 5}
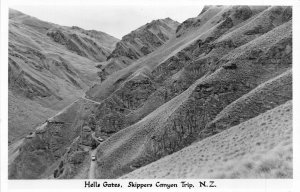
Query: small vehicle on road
{"x": 94, "y": 158}
{"x": 100, "y": 139}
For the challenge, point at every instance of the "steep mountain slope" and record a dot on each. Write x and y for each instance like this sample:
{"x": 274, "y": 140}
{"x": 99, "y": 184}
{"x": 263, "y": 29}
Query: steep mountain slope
{"x": 46, "y": 74}
{"x": 258, "y": 148}
{"x": 41, "y": 151}
{"x": 94, "y": 45}
{"x": 264, "y": 97}
{"x": 137, "y": 44}
{"x": 226, "y": 66}
{"x": 171, "y": 51}
{"x": 194, "y": 68}
{"x": 177, "y": 123}
{"x": 196, "y": 60}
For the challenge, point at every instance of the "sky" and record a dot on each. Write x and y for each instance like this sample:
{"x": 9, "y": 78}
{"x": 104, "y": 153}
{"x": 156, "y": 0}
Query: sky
{"x": 115, "y": 17}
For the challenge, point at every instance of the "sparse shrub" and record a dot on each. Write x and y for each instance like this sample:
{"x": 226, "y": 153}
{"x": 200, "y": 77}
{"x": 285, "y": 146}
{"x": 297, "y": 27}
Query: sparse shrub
{"x": 249, "y": 165}
{"x": 267, "y": 165}
{"x": 55, "y": 174}
{"x": 235, "y": 175}
{"x": 61, "y": 171}
{"x": 280, "y": 174}
{"x": 61, "y": 164}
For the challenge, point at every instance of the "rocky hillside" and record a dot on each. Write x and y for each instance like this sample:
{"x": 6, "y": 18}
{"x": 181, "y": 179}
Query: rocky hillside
{"x": 248, "y": 150}
{"x": 91, "y": 44}
{"x": 137, "y": 44}
{"x": 50, "y": 66}
{"x": 222, "y": 83}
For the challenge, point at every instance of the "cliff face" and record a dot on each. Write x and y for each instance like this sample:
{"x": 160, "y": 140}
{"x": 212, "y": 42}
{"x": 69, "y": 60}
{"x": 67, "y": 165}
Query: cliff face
{"x": 227, "y": 67}
{"x": 137, "y": 44}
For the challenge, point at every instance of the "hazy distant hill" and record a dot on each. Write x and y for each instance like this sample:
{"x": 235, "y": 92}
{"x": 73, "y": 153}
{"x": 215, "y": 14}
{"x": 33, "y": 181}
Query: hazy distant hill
{"x": 214, "y": 101}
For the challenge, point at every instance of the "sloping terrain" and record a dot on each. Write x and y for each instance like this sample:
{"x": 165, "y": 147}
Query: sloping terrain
{"x": 47, "y": 71}
{"x": 55, "y": 141}
{"x": 258, "y": 148}
{"x": 137, "y": 44}
{"x": 173, "y": 51}
{"x": 94, "y": 45}
{"x": 229, "y": 66}
{"x": 178, "y": 123}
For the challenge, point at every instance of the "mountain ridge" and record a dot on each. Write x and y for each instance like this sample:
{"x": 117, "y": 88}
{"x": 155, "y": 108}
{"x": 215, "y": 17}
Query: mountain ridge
{"x": 138, "y": 43}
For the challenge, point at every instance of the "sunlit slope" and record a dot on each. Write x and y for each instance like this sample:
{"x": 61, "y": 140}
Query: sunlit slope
{"x": 258, "y": 148}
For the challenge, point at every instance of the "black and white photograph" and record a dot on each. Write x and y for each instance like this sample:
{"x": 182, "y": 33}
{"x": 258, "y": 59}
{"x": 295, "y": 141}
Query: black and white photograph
{"x": 149, "y": 91}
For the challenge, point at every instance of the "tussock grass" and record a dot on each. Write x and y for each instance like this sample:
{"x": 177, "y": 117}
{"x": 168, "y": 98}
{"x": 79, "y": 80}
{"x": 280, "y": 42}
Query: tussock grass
{"x": 211, "y": 158}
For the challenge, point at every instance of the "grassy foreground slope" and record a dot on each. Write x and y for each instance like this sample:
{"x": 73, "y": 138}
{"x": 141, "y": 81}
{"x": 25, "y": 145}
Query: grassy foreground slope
{"x": 258, "y": 148}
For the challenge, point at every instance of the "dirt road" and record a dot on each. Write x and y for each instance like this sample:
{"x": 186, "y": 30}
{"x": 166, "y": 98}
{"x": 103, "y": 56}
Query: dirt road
{"x": 93, "y": 165}
{"x": 91, "y": 100}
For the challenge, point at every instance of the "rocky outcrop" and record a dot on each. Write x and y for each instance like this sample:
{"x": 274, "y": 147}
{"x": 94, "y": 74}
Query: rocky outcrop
{"x": 259, "y": 147}
{"x": 82, "y": 43}
{"x": 74, "y": 160}
{"x": 86, "y": 136}
{"x": 266, "y": 96}
{"x": 139, "y": 43}
{"x": 145, "y": 39}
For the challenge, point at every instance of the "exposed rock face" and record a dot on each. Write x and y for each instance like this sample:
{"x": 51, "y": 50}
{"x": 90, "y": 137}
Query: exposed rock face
{"x": 111, "y": 115}
{"x": 59, "y": 138}
{"x": 145, "y": 39}
{"x": 86, "y": 136}
{"x": 266, "y": 96}
{"x": 259, "y": 146}
{"x": 74, "y": 160}
{"x": 139, "y": 43}
{"x": 91, "y": 44}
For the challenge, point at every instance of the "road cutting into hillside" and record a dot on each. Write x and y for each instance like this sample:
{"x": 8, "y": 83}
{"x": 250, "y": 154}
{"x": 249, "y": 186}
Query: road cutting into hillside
{"x": 93, "y": 165}
{"x": 91, "y": 100}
